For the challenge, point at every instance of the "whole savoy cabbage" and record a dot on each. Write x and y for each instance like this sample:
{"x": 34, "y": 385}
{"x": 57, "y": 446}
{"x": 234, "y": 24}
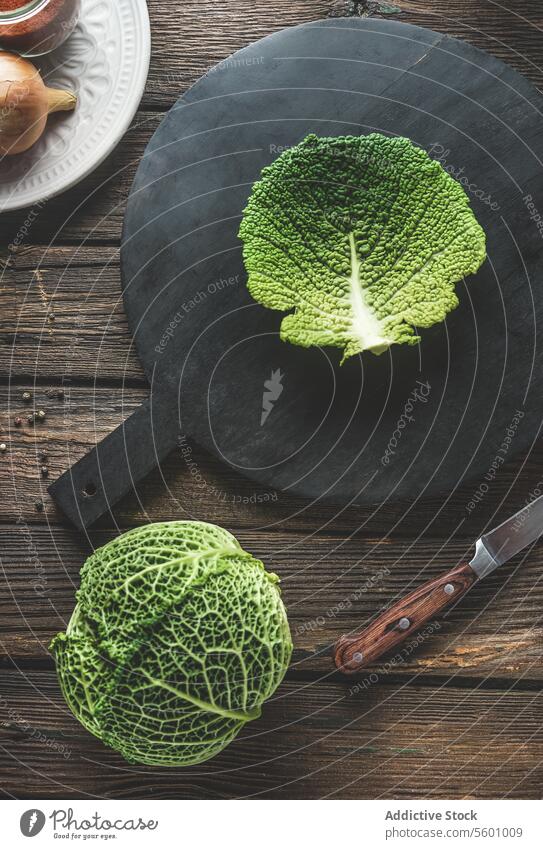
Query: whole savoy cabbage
{"x": 178, "y": 638}
{"x": 362, "y": 238}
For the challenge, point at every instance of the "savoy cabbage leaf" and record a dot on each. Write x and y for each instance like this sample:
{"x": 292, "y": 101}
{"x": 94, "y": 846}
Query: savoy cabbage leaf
{"x": 178, "y": 638}
{"x": 362, "y": 238}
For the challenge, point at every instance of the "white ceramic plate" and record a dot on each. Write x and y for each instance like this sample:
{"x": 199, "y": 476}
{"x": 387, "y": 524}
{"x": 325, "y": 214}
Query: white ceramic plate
{"x": 106, "y": 61}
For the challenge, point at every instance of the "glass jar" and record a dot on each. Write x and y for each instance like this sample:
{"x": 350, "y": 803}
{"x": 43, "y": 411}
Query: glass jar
{"x": 36, "y": 27}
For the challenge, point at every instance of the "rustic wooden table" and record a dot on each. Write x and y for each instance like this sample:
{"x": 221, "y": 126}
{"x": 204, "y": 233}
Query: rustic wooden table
{"x": 459, "y": 717}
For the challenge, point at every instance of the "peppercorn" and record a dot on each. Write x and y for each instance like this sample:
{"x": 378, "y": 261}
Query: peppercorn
{"x": 51, "y": 316}
{"x": 40, "y": 415}
{"x": 44, "y": 457}
{"x": 27, "y": 396}
{"x": 44, "y": 472}
{"x": 30, "y": 419}
{"x": 3, "y": 447}
{"x": 39, "y": 505}
{"x": 60, "y": 394}
{"x": 17, "y": 421}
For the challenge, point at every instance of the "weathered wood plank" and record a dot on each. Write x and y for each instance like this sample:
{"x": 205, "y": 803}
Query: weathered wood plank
{"x": 192, "y": 483}
{"x": 193, "y": 36}
{"x": 89, "y": 336}
{"x": 314, "y": 740}
{"x": 89, "y": 341}
{"x": 93, "y": 211}
{"x": 330, "y": 586}
{"x": 510, "y": 31}
{"x": 209, "y": 32}
{"x": 388, "y": 739}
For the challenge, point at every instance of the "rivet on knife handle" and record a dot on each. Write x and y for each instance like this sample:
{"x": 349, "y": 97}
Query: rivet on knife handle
{"x": 356, "y": 651}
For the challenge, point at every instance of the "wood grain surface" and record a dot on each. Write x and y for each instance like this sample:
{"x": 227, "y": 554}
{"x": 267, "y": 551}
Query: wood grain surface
{"x": 457, "y": 713}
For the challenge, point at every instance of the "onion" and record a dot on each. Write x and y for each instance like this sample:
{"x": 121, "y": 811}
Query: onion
{"x": 25, "y": 103}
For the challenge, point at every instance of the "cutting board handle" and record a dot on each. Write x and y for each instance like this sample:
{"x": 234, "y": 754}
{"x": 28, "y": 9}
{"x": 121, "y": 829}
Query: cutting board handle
{"x": 99, "y": 480}
{"x": 354, "y": 652}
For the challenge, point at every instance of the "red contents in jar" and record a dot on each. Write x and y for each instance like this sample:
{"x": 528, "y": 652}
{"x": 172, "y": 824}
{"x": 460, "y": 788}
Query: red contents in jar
{"x": 40, "y": 30}
{"x": 10, "y": 5}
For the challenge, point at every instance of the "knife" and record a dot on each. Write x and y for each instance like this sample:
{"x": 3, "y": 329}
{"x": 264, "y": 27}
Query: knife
{"x": 353, "y": 652}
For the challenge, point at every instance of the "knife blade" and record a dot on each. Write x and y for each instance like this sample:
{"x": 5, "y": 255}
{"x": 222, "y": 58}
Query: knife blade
{"x": 501, "y": 544}
{"x": 353, "y": 652}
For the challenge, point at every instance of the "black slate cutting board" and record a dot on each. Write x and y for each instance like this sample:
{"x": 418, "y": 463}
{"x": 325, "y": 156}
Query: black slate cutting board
{"x": 412, "y": 421}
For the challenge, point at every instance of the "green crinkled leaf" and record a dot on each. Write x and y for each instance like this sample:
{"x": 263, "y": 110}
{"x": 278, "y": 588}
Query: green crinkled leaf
{"x": 362, "y": 238}
{"x": 172, "y": 649}
{"x": 133, "y": 578}
{"x": 83, "y": 669}
{"x": 228, "y": 647}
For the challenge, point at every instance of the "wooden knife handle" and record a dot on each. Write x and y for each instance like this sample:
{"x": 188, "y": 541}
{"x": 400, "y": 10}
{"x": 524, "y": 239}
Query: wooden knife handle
{"x": 353, "y": 652}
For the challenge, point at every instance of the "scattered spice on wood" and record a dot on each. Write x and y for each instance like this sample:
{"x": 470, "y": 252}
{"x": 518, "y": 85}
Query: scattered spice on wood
{"x": 40, "y": 415}
{"x": 55, "y": 393}
{"x": 17, "y": 421}
{"x": 31, "y": 419}
{"x": 44, "y": 472}
{"x": 27, "y": 396}
{"x": 39, "y": 505}
{"x": 44, "y": 457}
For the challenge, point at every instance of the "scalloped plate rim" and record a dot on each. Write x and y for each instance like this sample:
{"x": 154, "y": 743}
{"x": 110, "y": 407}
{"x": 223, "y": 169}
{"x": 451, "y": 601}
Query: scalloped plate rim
{"x": 110, "y": 141}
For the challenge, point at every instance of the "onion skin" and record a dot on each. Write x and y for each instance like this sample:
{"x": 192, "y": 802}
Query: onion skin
{"x": 25, "y": 103}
